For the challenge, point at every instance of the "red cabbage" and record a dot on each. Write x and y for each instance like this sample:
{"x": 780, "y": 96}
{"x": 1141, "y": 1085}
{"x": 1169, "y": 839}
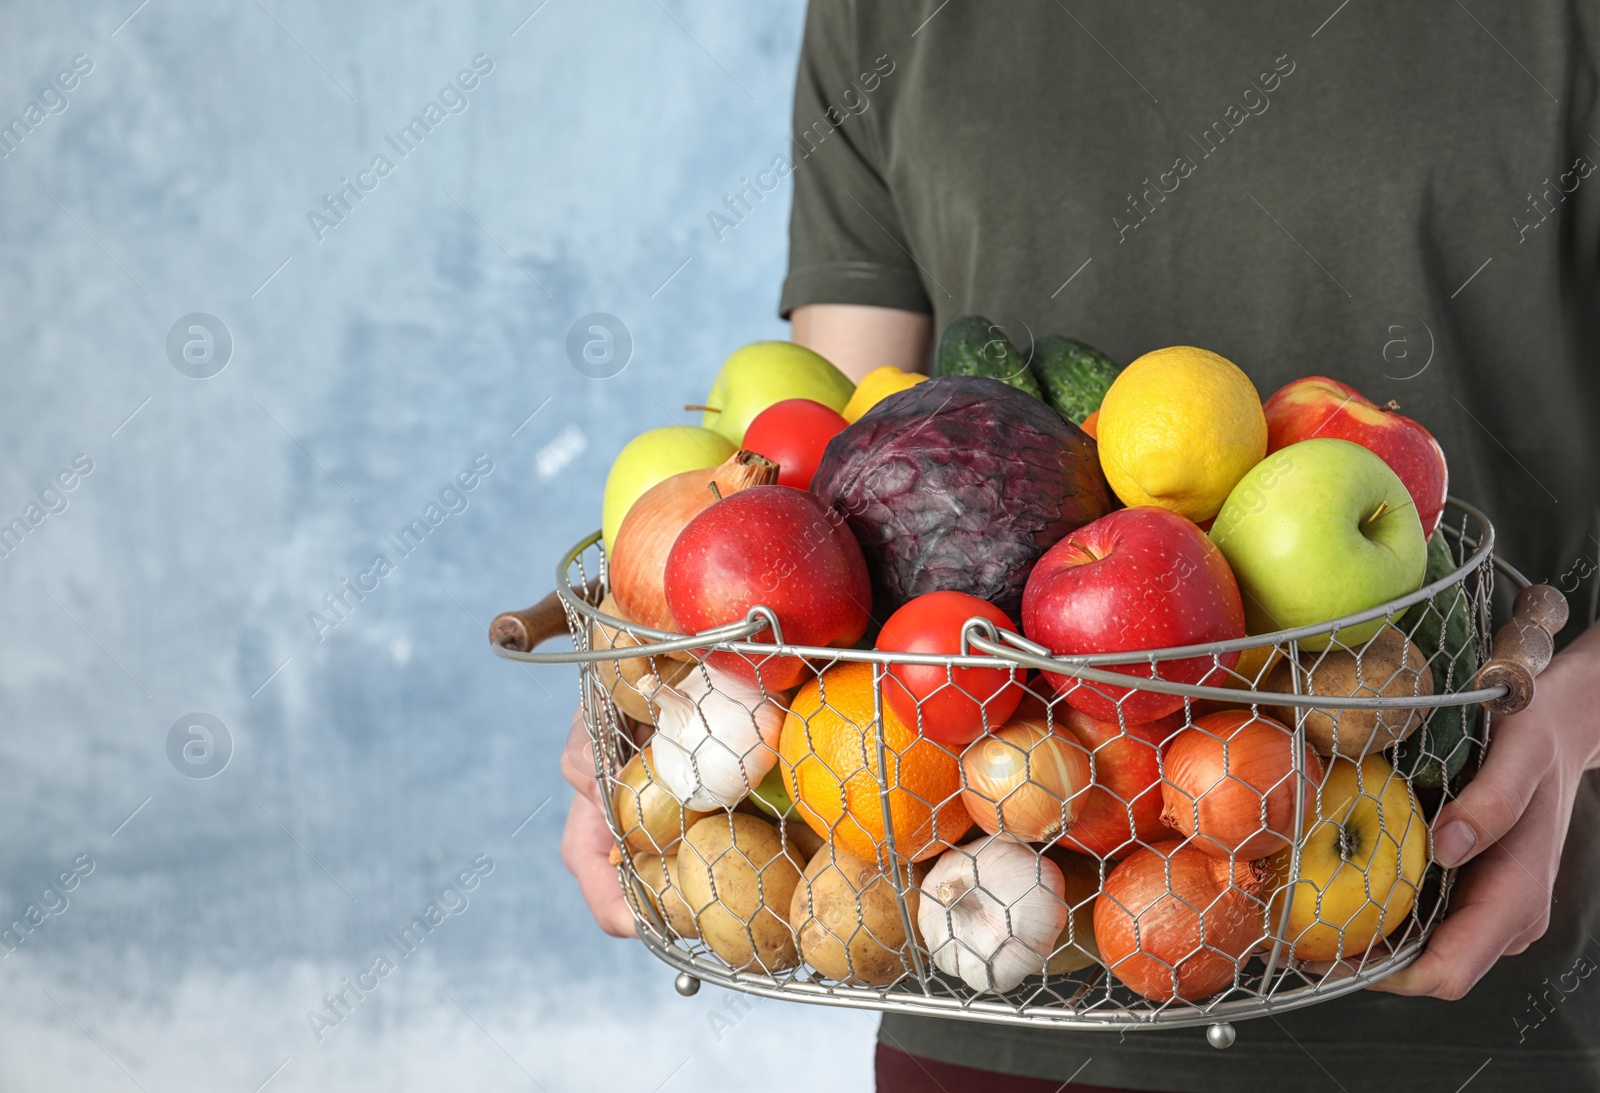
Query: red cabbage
{"x": 960, "y": 483}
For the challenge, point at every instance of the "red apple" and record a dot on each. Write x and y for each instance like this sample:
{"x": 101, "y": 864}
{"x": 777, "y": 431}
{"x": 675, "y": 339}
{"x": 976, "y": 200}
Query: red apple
{"x": 777, "y": 546}
{"x": 1317, "y": 406}
{"x": 1139, "y": 578}
{"x": 1123, "y": 808}
{"x": 792, "y": 434}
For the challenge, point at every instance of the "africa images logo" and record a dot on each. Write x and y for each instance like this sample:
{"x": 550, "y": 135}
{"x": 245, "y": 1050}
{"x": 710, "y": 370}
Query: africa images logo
{"x": 452, "y": 99}
{"x": 738, "y": 205}
{"x": 51, "y": 100}
{"x": 339, "y": 1005}
{"x": 1256, "y": 100}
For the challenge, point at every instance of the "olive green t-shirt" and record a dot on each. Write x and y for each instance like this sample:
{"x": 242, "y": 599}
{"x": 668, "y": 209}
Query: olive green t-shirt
{"x": 1403, "y": 196}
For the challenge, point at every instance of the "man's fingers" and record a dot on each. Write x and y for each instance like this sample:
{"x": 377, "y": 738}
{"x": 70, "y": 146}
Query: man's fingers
{"x": 577, "y": 761}
{"x": 1500, "y": 906}
{"x": 1495, "y": 799}
{"x": 585, "y": 849}
{"x": 1488, "y": 912}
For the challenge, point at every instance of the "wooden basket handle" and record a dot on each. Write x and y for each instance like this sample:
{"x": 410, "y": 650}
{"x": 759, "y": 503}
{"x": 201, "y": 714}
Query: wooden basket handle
{"x": 1523, "y": 647}
{"x": 522, "y": 630}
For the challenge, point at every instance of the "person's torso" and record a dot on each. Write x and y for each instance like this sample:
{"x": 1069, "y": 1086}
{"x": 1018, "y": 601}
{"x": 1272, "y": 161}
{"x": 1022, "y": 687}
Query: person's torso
{"x": 1394, "y": 202}
{"x": 1401, "y": 196}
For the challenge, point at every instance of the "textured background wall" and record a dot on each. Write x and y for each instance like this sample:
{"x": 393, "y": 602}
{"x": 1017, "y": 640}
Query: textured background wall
{"x": 372, "y": 761}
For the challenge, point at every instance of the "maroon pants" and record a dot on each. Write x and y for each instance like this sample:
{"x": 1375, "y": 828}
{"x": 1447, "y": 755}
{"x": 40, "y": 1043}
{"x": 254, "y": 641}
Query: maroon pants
{"x": 899, "y": 1072}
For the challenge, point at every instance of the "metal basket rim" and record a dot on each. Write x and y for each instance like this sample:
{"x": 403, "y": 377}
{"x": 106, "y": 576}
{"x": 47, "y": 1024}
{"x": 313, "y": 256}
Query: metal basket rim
{"x": 1026, "y": 655}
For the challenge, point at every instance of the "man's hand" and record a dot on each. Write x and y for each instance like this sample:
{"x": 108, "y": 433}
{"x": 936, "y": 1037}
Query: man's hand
{"x": 586, "y": 843}
{"x": 1510, "y": 822}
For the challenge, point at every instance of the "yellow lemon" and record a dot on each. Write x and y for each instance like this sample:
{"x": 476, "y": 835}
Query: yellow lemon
{"x": 1178, "y": 429}
{"x": 876, "y": 386}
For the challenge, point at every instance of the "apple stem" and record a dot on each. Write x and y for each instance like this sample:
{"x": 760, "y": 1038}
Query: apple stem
{"x": 1081, "y": 549}
{"x": 705, "y": 409}
{"x": 1383, "y": 507}
{"x": 1349, "y": 843}
{"x": 1391, "y": 405}
{"x": 712, "y": 486}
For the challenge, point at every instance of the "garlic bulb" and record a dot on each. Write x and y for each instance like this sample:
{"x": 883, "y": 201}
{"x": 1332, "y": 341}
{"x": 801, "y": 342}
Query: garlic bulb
{"x": 716, "y": 737}
{"x": 991, "y": 912}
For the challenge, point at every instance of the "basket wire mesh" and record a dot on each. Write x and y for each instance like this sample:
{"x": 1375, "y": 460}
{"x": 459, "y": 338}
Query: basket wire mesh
{"x": 753, "y": 854}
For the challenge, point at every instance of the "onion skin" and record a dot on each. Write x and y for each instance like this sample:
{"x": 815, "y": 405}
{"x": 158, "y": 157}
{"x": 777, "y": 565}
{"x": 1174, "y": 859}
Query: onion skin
{"x": 623, "y": 681}
{"x": 1024, "y": 781}
{"x": 638, "y": 561}
{"x": 1229, "y": 783}
{"x": 1184, "y": 941}
{"x": 651, "y": 819}
{"x": 1075, "y": 947}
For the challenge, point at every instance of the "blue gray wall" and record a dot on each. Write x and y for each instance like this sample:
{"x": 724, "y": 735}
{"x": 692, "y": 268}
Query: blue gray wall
{"x": 157, "y": 205}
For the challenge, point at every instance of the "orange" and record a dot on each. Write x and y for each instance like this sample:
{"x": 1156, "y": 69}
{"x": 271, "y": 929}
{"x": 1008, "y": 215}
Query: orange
{"x": 829, "y": 756}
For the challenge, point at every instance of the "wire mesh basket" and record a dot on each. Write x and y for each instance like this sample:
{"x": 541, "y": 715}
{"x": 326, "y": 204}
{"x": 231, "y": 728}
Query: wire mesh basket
{"x": 1261, "y": 844}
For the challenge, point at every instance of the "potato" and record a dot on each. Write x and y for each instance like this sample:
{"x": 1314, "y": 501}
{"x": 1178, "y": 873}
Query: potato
{"x": 738, "y": 877}
{"x": 620, "y": 679}
{"x": 1390, "y": 665}
{"x": 658, "y": 884}
{"x": 651, "y": 819}
{"x": 848, "y": 920}
{"x": 1076, "y": 948}
{"x": 806, "y": 841}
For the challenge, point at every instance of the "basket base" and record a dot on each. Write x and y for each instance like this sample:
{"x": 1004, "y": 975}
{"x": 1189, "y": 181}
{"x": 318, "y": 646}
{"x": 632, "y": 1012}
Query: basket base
{"x": 1216, "y": 1017}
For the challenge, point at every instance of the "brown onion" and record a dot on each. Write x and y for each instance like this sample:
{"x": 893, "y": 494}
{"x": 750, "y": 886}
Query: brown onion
{"x": 630, "y": 682}
{"x": 1229, "y": 783}
{"x": 656, "y": 880}
{"x": 1075, "y": 948}
{"x": 1024, "y": 780}
{"x": 638, "y": 558}
{"x": 1174, "y": 923}
{"x": 651, "y": 819}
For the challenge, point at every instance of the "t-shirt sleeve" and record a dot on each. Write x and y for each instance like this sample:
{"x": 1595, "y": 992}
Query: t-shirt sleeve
{"x": 846, "y": 242}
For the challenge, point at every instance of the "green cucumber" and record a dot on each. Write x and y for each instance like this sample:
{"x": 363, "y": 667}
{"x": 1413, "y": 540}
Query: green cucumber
{"x": 1442, "y": 629}
{"x": 1074, "y": 376}
{"x": 973, "y": 346}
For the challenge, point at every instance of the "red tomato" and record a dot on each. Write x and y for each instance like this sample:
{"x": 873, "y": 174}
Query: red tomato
{"x": 955, "y": 704}
{"x": 792, "y": 434}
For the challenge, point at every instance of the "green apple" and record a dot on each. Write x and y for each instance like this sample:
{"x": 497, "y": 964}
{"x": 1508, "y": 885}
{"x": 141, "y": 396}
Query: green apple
{"x": 650, "y": 457}
{"x": 1317, "y": 531}
{"x": 772, "y": 796}
{"x": 763, "y": 373}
